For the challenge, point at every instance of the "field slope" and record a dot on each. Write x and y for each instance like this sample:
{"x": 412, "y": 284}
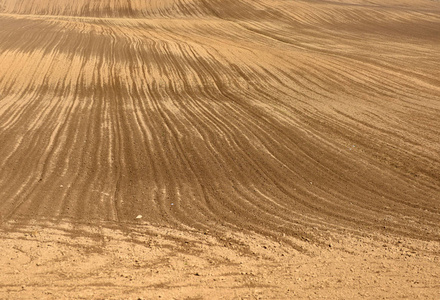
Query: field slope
{"x": 292, "y": 120}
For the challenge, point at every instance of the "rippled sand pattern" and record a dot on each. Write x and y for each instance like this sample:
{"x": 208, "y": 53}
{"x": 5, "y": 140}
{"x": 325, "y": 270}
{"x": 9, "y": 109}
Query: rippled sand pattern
{"x": 282, "y": 118}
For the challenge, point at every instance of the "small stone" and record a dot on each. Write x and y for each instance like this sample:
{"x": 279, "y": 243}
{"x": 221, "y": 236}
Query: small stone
{"x": 139, "y": 217}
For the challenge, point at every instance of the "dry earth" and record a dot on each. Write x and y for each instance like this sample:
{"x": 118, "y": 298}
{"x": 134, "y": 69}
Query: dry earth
{"x": 274, "y": 149}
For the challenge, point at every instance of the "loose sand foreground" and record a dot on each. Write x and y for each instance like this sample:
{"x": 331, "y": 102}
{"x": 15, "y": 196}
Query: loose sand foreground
{"x": 72, "y": 261}
{"x": 274, "y": 149}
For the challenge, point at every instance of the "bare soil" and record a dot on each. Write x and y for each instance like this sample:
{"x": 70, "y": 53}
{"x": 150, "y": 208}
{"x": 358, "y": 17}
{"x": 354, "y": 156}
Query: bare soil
{"x": 74, "y": 261}
{"x": 272, "y": 149}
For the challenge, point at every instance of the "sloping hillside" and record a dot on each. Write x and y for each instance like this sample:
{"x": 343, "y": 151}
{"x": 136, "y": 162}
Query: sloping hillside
{"x": 294, "y": 120}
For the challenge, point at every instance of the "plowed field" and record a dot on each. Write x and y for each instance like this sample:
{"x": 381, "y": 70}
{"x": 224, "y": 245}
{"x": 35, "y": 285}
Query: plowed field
{"x": 302, "y": 124}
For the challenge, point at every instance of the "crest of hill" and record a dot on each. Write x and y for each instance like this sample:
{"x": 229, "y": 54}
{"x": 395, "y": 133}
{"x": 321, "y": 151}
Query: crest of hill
{"x": 137, "y": 8}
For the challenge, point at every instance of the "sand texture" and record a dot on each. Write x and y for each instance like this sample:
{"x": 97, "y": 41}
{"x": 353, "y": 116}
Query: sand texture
{"x": 251, "y": 142}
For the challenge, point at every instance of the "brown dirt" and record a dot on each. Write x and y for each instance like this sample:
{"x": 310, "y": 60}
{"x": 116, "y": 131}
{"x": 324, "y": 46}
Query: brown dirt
{"x": 79, "y": 261}
{"x": 249, "y": 135}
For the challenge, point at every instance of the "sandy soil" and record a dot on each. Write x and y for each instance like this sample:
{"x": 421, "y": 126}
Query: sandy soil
{"x": 79, "y": 261}
{"x": 274, "y": 149}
